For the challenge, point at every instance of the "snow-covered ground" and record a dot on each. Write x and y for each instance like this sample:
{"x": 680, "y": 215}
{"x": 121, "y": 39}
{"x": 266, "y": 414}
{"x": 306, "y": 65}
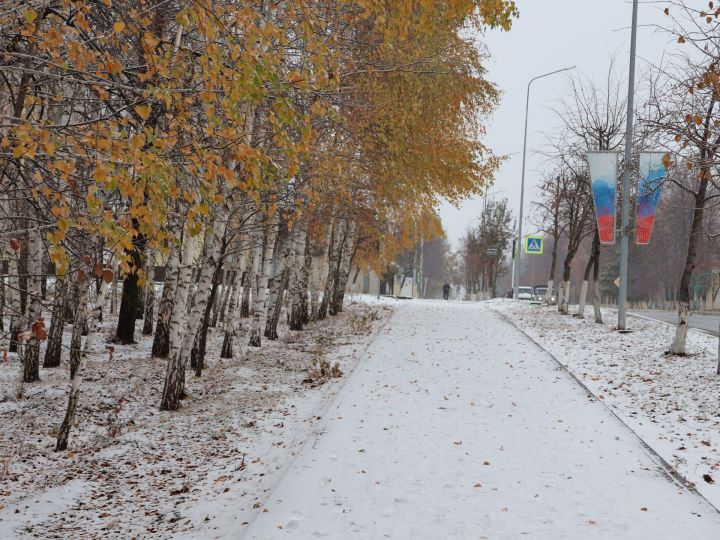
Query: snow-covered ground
{"x": 133, "y": 471}
{"x": 447, "y": 423}
{"x": 456, "y": 426}
{"x": 672, "y": 403}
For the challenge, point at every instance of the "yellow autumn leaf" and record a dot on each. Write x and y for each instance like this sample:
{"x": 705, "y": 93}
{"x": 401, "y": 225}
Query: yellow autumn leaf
{"x": 143, "y": 111}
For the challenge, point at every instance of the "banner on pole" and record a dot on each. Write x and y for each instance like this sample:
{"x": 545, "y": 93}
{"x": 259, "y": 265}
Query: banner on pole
{"x": 652, "y": 172}
{"x": 534, "y": 245}
{"x": 603, "y": 180}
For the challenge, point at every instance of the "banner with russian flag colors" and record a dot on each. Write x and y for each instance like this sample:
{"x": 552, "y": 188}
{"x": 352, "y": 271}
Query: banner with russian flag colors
{"x": 603, "y": 180}
{"x": 652, "y": 173}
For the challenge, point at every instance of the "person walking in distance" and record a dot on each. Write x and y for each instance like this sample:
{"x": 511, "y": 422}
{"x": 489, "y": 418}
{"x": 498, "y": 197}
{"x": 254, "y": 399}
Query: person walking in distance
{"x": 446, "y": 291}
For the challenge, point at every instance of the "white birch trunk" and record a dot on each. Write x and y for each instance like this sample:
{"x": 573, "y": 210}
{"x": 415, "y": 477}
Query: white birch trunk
{"x": 343, "y": 268}
{"x": 564, "y": 297}
{"x": 232, "y": 319}
{"x": 78, "y": 324}
{"x": 583, "y": 295}
{"x": 31, "y": 358}
{"x": 179, "y": 311}
{"x": 113, "y": 295}
{"x": 314, "y": 287}
{"x": 175, "y": 375}
{"x": 283, "y": 261}
{"x": 296, "y": 281}
{"x": 247, "y": 280}
{"x": 73, "y": 398}
{"x": 335, "y": 245}
{"x": 559, "y": 297}
{"x": 260, "y": 303}
{"x": 16, "y": 321}
{"x": 681, "y": 329}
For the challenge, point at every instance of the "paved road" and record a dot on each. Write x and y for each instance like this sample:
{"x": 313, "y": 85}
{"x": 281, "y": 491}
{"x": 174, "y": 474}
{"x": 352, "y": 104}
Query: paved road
{"x": 708, "y": 323}
{"x": 456, "y": 426}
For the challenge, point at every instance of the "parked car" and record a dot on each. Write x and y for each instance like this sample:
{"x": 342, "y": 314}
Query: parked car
{"x": 539, "y": 294}
{"x": 551, "y": 299}
{"x": 525, "y": 293}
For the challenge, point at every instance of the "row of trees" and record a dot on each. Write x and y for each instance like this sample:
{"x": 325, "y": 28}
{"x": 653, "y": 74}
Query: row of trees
{"x": 484, "y": 248}
{"x": 229, "y": 144}
{"x": 680, "y": 115}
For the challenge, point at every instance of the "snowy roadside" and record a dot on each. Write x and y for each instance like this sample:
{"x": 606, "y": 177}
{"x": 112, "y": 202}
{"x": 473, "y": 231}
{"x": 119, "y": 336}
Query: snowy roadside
{"x": 672, "y": 403}
{"x": 133, "y": 471}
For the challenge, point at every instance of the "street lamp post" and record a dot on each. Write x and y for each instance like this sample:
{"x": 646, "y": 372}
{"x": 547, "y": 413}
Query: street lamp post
{"x": 518, "y": 262}
{"x": 625, "y": 233}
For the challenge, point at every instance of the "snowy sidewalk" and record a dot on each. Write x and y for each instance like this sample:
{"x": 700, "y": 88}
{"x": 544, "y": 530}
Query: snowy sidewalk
{"x": 456, "y": 426}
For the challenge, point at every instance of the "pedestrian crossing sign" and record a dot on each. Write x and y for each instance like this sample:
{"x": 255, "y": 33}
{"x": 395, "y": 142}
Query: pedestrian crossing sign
{"x": 534, "y": 245}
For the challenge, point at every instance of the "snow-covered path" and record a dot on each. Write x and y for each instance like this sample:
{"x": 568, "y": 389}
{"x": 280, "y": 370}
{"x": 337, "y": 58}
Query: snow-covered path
{"x": 456, "y": 426}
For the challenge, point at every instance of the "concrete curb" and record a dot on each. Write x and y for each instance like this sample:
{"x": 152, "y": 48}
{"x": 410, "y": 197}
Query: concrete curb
{"x": 668, "y": 470}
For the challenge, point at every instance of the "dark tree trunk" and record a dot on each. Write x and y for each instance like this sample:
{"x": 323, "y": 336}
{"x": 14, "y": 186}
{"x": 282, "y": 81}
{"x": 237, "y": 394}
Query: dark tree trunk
{"x": 227, "y": 347}
{"x": 161, "y": 339}
{"x": 684, "y": 294}
{"x": 131, "y": 294}
{"x": 197, "y": 354}
{"x": 245, "y": 303}
{"x": 553, "y": 261}
{"x": 149, "y": 295}
{"x": 54, "y": 344}
{"x": 71, "y": 301}
{"x": 140, "y": 305}
{"x": 596, "y": 280}
{"x": 128, "y": 311}
{"x": 125, "y": 334}
{"x": 333, "y": 260}
{"x": 149, "y": 311}
{"x": 230, "y": 323}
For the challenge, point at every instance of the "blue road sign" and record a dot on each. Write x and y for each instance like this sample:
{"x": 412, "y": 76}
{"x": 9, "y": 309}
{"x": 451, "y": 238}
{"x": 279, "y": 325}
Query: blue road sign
{"x": 534, "y": 245}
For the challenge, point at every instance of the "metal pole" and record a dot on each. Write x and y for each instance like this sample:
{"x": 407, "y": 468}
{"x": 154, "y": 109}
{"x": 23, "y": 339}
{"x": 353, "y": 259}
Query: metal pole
{"x": 625, "y": 233}
{"x": 518, "y": 255}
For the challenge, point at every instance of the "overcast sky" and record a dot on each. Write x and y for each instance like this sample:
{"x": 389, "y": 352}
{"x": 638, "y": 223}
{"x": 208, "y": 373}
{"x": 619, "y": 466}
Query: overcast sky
{"x": 550, "y": 34}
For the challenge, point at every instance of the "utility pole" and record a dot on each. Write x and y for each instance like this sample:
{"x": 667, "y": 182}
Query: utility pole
{"x": 625, "y": 233}
{"x": 517, "y": 262}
